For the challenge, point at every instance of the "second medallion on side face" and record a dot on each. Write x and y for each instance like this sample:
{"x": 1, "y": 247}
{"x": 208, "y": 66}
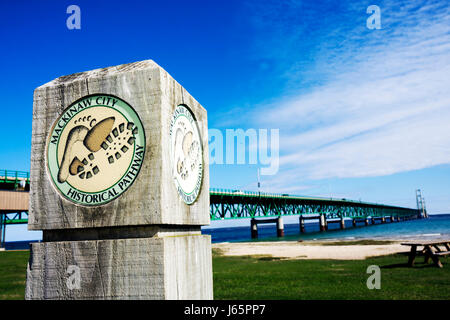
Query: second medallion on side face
{"x": 186, "y": 154}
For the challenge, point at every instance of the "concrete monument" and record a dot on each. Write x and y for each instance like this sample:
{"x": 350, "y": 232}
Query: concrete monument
{"x": 119, "y": 187}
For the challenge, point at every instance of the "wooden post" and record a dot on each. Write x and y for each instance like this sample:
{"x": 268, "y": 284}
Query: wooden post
{"x": 280, "y": 227}
{"x": 118, "y": 198}
{"x": 254, "y": 228}
{"x": 412, "y": 255}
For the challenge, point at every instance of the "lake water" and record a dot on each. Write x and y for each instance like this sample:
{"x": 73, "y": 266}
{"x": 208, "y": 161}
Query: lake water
{"x": 435, "y": 227}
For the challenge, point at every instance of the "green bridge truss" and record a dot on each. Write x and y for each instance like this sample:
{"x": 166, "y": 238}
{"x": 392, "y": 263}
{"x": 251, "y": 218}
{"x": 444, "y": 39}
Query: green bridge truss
{"x": 236, "y": 204}
{"x": 13, "y": 178}
{"x": 232, "y": 205}
{"x": 13, "y": 217}
{"x": 229, "y": 204}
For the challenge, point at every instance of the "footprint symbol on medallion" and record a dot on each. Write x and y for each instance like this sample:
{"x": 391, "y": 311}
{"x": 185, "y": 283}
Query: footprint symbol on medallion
{"x": 82, "y": 157}
{"x": 186, "y": 153}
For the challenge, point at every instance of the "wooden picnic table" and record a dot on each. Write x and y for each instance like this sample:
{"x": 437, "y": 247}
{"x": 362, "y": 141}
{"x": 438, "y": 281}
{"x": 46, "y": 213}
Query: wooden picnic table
{"x": 431, "y": 249}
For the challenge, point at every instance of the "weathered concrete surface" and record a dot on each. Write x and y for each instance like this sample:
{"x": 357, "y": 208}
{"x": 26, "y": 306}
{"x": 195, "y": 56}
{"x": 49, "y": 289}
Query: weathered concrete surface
{"x": 153, "y": 198}
{"x": 175, "y": 266}
{"x": 145, "y": 244}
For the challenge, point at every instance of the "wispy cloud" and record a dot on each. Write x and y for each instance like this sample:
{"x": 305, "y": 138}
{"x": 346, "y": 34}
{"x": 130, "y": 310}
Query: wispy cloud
{"x": 381, "y": 102}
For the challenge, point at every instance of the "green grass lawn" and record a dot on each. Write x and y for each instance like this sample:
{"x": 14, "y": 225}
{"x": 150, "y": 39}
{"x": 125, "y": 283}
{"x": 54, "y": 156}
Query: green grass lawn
{"x": 13, "y": 270}
{"x": 266, "y": 278}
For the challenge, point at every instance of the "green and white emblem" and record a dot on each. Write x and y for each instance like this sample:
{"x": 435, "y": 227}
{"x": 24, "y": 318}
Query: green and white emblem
{"x": 95, "y": 149}
{"x": 186, "y": 154}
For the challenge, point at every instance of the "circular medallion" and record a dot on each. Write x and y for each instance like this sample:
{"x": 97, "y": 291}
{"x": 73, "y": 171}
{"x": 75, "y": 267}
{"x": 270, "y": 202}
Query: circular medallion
{"x": 186, "y": 154}
{"x": 95, "y": 149}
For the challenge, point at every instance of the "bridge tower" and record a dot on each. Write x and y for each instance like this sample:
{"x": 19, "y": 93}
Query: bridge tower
{"x": 421, "y": 204}
{"x": 424, "y": 208}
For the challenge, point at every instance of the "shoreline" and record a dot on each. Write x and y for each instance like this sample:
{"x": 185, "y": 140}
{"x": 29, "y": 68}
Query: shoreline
{"x": 353, "y": 248}
{"x": 323, "y": 249}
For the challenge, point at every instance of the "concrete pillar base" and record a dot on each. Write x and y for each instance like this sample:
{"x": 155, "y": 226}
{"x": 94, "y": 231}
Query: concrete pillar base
{"x": 342, "y": 223}
{"x": 254, "y": 229}
{"x": 168, "y": 267}
{"x": 323, "y": 223}
{"x": 280, "y": 227}
{"x": 302, "y": 225}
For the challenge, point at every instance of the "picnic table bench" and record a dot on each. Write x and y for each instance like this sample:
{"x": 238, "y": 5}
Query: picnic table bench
{"x": 431, "y": 249}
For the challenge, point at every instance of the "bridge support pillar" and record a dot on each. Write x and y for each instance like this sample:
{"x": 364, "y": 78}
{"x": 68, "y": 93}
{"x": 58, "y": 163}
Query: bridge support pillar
{"x": 342, "y": 223}
{"x": 323, "y": 223}
{"x": 302, "y": 224}
{"x": 383, "y": 220}
{"x": 280, "y": 227}
{"x": 254, "y": 228}
{"x": 392, "y": 218}
{"x": 354, "y": 222}
{"x": 366, "y": 221}
{"x": 373, "y": 220}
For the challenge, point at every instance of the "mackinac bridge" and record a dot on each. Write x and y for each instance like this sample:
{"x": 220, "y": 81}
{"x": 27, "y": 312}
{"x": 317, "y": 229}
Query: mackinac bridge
{"x": 259, "y": 207}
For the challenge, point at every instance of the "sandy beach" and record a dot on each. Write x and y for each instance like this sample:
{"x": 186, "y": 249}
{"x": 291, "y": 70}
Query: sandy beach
{"x": 309, "y": 249}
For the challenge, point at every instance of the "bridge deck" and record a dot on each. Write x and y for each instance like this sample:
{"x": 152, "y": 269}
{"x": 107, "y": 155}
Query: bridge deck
{"x": 224, "y": 204}
{"x": 236, "y": 204}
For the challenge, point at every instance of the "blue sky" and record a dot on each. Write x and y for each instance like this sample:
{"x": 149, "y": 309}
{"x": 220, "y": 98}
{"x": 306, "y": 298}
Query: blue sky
{"x": 363, "y": 114}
